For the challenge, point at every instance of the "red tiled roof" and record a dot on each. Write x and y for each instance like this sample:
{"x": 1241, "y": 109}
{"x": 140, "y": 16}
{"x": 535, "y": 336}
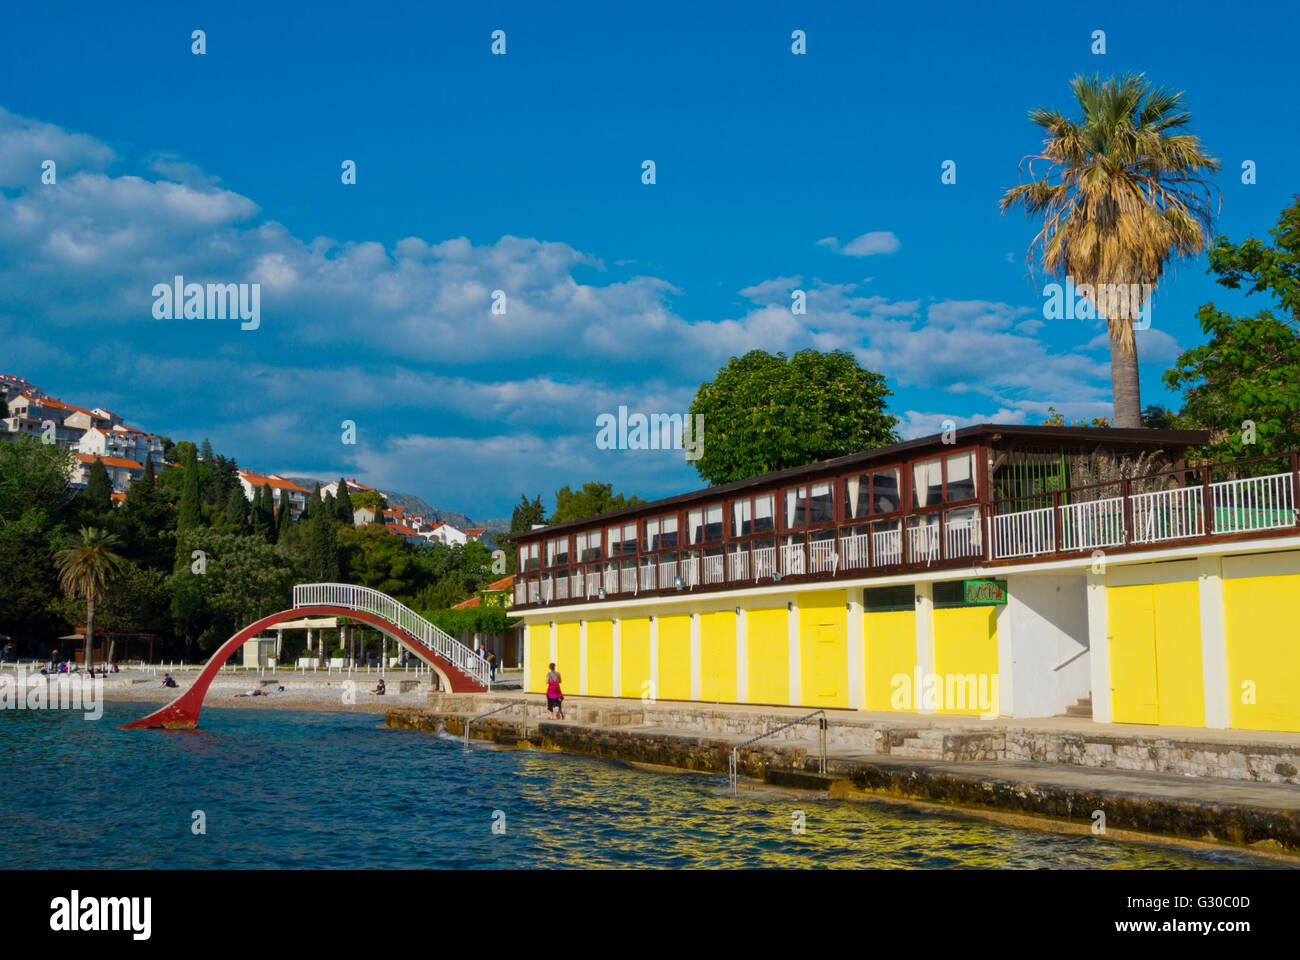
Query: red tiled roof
{"x": 110, "y": 461}
{"x": 505, "y": 583}
{"x": 476, "y": 530}
{"x": 258, "y": 480}
{"x": 466, "y": 604}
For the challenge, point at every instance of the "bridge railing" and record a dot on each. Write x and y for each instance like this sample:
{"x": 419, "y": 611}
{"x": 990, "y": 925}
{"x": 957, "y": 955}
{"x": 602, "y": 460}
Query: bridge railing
{"x": 382, "y": 605}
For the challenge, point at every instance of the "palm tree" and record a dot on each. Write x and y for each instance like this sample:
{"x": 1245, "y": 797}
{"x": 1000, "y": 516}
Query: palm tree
{"x": 87, "y": 569}
{"x": 1125, "y": 192}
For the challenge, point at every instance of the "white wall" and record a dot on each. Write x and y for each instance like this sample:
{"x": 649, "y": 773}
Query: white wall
{"x": 1044, "y": 625}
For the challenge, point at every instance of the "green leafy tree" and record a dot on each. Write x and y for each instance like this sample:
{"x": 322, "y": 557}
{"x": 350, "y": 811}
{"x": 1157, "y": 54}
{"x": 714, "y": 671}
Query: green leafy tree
{"x": 381, "y": 561}
{"x": 1124, "y": 193}
{"x": 149, "y": 522}
{"x": 763, "y": 413}
{"x": 322, "y": 550}
{"x": 367, "y": 498}
{"x": 592, "y": 499}
{"x": 235, "y": 514}
{"x": 1249, "y": 371}
{"x": 138, "y": 603}
{"x": 87, "y": 569}
{"x": 35, "y": 502}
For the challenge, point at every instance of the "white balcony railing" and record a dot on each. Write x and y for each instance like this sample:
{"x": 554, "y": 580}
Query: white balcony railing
{"x": 923, "y": 544}
{"x": 1255, "y": 503}
{"x": 627, "y": 579}
{"x": 821, "y": 556}
{"x": 1023, "y": 534}
{"x": 764, "y": 562}
{"x": 648, "y": 576}
{"x": 1168, "y": 515}
{"x": 713, "y": 569}
{"x": 668, "y": 574}
{"x": 738, "y": 565}
{"x": 853, "y": 551}
{"x": 962, "y": 537}
{"x": 1093, "y": 524}
{"x": 562, "y": 588}
{"x": 887, "y": 545}
{"x": 792, "y": 560}
{"x": 611, "y": 582}
{"x": 690, "y": 572}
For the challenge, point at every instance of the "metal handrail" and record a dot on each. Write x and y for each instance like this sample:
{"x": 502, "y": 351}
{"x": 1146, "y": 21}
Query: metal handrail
{"x": 507, "y": 706}
{"x": 733, "y": 767}
{"x": 429, "y": 636}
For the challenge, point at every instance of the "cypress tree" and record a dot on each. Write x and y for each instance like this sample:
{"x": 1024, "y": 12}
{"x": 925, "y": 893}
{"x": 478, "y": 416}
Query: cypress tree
{"x": 235, "y": 515}
{"x": 323, "y": 550}
{"x": 379, "y": 513}
{"x": 98, "y": 495}
{"x": 189, "y": 513}
{"x": 282, "y": 516}
{"x": 343, "y": 502}
{"x": 268, "y": 513}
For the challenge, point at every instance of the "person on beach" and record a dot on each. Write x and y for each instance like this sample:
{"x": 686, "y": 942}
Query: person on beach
{"x": 167, "y": 680}
{"x": 554, "y": 696}
{"x": 253, "y": 693}
{"x": 380, "y": 689}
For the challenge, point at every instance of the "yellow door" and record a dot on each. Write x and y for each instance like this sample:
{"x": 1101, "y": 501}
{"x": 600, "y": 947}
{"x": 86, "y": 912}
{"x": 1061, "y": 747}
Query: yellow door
{"x": 1263, "y": 623}
{"x": 890, "y": 658}
{"x": 567, "y": 650}
{"x": 823, "y": 648}
{"x": 718, "y": 656}
{"x": 966, "y": 659}
{"x": 634, "y": 656}
{"x": 600, "y": 658}
{"x": 675, "y": 657}
{"x": 767, "y": 645}
{"x": 1155, "y": 654}
{"x": 539, "y": 655}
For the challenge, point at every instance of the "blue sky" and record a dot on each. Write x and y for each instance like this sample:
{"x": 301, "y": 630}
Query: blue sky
{"x": 523, "y": 173}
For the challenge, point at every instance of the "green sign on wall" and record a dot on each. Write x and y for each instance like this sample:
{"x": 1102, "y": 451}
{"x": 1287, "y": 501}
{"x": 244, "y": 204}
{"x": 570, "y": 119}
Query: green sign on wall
{"x": 985, "y": 592}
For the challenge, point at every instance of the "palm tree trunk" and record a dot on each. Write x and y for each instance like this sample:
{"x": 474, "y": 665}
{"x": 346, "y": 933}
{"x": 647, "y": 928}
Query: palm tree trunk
{"x": 90, "y": 632}
{"x": 1124, "y": 385}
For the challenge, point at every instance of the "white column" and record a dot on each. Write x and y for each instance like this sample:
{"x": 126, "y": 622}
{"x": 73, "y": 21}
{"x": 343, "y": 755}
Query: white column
{"x": 924, "y": 639}
{"x": 1099, "y": 647}
{"x": 857, "y": 640}
{"x": 1214, "y": 642}
{"x": 695, "y": 655}
{"x": 654, "y": 658}
{"x": 617, "y": 630}
{"x": 742, "y": 657}
{"x": 527, "y": 660}
{"x": 792, "y": 624}
{"x": 1006, "y": 686}
{"x": 582, "y": 657}
{"x": 553, "y": 656}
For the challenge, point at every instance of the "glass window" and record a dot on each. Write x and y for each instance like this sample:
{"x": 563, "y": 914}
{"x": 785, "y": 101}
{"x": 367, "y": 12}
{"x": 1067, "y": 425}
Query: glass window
{"x": 651, "y": 535}
{"x": 615, "y": 541}
{"x": 668, "y": 532}
{"x": 927, "y": 483}
{"x": 629, "y": 538}
{"x": 713, "y": 523}
{"x": 884, "y": 491}
{"x": 694, "y": 526}
{"x": 796, "y": 507}
{"x": 961, "y": 476}
{"x": 821, "y": 503}
{"x": 550, "y": 553}
{"x": 742, "y": 523}
{"x": 562, "y": 550}
{"x": 765, "y": 513}
{"x": 857, "y": 496}
{"x": 586, "y": 546}
{"x": 529, "y": 556}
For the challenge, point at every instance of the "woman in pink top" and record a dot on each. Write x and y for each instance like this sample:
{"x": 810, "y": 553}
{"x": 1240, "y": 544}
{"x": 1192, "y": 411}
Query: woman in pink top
{"x": 554, "y": 698}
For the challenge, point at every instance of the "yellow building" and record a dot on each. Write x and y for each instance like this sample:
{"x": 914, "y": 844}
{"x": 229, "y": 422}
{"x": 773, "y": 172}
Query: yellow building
{"x": 937, "y": 576}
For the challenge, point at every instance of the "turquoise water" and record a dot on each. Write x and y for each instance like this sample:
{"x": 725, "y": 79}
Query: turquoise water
{"x": 335, "y": 790}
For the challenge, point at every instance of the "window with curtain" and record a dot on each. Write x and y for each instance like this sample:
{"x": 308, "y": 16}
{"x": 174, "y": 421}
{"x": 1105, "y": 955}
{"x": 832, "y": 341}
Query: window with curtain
{"x": 651, "y": 535}
{"x": 927, "y": 483}
{"x": 562, "y": 551}
{"x": 615, "y": 541}
{"x": 796, "y": 507}
{"x": 629, "y": 538}
{"x": 765, "y": 513}
{"x": 961, "y": 476}
{"x": 857, "y": 496}
{"x": 593, "y": 545}
{"x": 821, "y": 503}
{"x": 741, "y": 522}
{"x": 713, "y": 522}
{"x": 668, "y": 532}
{"x": 694, "y": 526}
